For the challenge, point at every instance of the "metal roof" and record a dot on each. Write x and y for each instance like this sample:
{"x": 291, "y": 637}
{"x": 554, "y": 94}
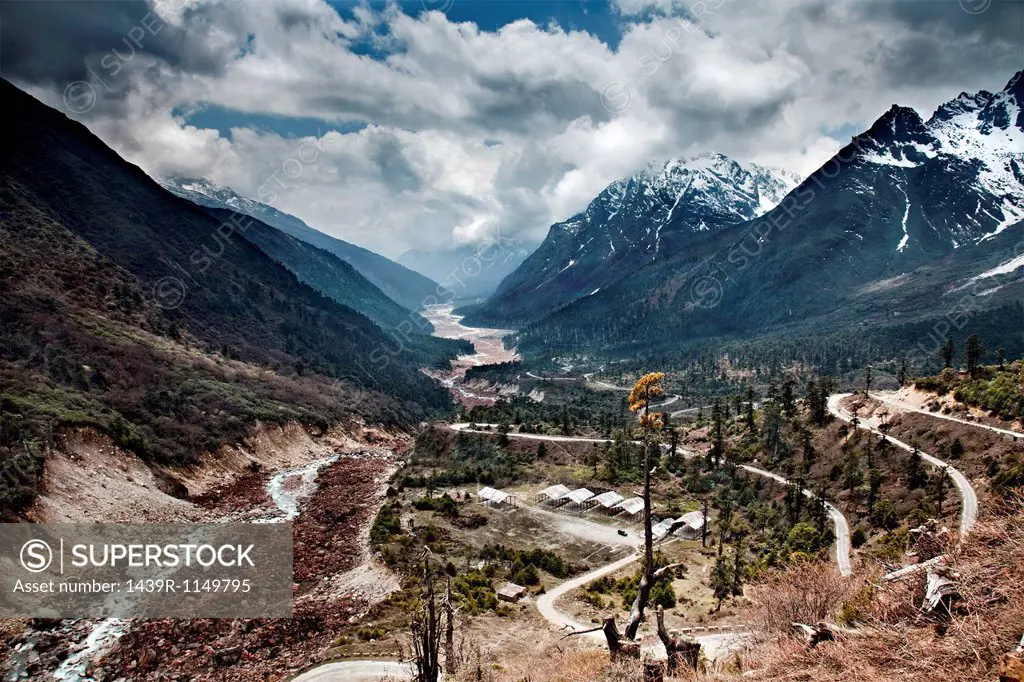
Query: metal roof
{"x": 579, "y": 496}
{"x": 608, "y": 499}
{"x": 554, "y": 492}
{"x": 512, "y": 590}
{"x": 491, "y": 495}
{"x": 694, "y": 519}
{"x": 632, "y": 505}
{"x": 662, "y": 528}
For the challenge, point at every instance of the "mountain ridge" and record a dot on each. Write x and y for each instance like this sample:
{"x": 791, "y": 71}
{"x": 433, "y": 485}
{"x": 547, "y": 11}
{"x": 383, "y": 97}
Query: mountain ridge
{"x": 399, "y": 283}
{"x": 886, "y": 232}
{"x": 135, "y": 312}
{"x": 651, "y": 215}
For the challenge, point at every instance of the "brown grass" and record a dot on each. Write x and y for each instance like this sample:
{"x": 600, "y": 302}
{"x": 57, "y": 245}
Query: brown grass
{"x": 896, "y": 642}
{"x": 888, "y": 638}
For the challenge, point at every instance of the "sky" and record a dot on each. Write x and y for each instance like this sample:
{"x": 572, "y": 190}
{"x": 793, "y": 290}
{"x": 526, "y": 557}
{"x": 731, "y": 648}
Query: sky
{"x": 427, "y": 124}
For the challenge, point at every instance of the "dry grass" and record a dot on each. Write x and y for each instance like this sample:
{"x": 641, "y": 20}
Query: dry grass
{"x": 896, "y": 642}
{"x": 807, "y": 592}
{"x": 890, "y": 639}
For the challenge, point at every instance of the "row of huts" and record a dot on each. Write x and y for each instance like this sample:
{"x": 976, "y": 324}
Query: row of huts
{"x": 687, "y": 526}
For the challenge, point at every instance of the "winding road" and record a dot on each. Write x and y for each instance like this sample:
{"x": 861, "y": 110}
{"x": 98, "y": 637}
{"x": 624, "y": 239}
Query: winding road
{"x": 838, "y": 520}
{"x": 357, "y": 671}
{"x": 841, "y": 525}
{"x": 889, "y": 399}
{"x": 969, "y": 507}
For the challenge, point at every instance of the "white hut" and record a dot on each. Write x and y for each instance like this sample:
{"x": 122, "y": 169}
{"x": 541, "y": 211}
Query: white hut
{"x": 554, "y": 494}
{"x": 578, "y": 496}
{"x": 606, "y": 501}
{"x": 633, "y": 507}
{"x": 690, "y": 525}
{"x": 496, "y": 498}
{"x": 662, "y": 528}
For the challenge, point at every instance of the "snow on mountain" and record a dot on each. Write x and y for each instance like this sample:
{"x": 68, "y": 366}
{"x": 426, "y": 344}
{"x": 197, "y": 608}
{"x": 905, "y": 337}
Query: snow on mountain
{"x": 980, "y": 139}
{"x": 651, "y": 215}
{"x": 407, "y": 288}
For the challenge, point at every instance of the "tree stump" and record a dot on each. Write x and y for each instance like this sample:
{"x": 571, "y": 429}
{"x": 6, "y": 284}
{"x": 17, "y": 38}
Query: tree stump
{"x": 654, "y": 671}
{"x": 681, "y": 651}
{"x": 616, "y": 647}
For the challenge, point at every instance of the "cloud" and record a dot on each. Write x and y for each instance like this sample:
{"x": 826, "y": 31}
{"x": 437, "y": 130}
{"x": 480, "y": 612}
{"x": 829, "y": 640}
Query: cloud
{"x": 457, "y": 132}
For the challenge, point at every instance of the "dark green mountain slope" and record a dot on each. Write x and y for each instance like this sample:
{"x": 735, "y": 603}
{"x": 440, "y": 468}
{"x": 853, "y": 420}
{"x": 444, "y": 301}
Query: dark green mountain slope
{"x": 129, "y": 309}
{"x": 407, "y": 288}
{"x": 338, "y": 280}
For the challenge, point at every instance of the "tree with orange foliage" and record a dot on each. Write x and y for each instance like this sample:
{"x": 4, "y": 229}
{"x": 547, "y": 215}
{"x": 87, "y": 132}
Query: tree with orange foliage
{"x": 648, "y": 387}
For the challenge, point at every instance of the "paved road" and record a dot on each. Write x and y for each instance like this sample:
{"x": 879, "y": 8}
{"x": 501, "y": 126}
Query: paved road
{"x": 357, "y": 671}
{"x": 969, "y": 508}
{"x": 842, "y": 527}
{"x": 528, "y": 436}
{"x": 715, "y": 645}
{"x": 889, "y": 399}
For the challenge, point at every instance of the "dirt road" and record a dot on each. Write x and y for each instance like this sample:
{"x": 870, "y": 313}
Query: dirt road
{"x": 969, "y": 507}
{"x": 893, "y": 400}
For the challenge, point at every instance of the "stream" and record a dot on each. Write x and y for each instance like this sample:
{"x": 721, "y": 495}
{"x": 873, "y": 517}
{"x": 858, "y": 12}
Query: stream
{"x": 287, "y": 488}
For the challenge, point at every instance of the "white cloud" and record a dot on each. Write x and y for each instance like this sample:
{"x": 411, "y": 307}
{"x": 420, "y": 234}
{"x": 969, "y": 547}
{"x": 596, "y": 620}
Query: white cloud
{"x": 757, "y": 81}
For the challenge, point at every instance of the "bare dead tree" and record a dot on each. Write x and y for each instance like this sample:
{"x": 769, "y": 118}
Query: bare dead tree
{"x": 451, "y": 659}
{"x": 426, "y": 631}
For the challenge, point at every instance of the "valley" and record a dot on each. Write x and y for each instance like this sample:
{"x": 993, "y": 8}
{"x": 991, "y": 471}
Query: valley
{"x": 512, "y": 342}
{"x": 488, "y": 349}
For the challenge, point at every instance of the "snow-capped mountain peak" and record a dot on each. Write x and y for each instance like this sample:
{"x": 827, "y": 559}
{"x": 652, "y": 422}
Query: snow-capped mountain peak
{"x": 650, "y": 215}
{"x": 981, "y": 137}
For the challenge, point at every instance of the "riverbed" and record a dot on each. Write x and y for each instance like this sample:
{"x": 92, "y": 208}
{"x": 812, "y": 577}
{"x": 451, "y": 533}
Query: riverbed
{"x": 489, "y": 349}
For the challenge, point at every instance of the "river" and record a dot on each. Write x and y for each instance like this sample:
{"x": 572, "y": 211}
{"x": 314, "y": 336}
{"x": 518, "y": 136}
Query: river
{"x": 489, "y": 349}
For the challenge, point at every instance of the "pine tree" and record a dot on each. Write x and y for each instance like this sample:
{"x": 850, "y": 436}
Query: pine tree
{"x": 917, "y": 477}
{"x": 809, "y": 453}
{"x": 737, "y": 569}
{"x": 902, "y": 374}
{"x": 717, "y": 451}
{"x": 946, "y": 352}
{"x": 875, "y": 479}
{"x": 940, "y": 491}
{"x": 721, "y": 580}
{"x": 751, "y": 422}
{"x": 973, "y": 350}
{"x": 788, "y": 400}
{"x": 867, "y": 379}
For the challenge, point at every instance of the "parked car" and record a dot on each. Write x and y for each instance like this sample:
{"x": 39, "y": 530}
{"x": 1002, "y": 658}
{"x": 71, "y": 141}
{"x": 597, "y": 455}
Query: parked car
{"x": 623, "y": 532}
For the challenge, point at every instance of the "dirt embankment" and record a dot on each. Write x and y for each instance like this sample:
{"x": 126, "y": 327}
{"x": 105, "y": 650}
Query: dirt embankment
{"x": 88, "y": 478}
{"x": 947, "y": 404}
{"x": 336, "y": 578}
